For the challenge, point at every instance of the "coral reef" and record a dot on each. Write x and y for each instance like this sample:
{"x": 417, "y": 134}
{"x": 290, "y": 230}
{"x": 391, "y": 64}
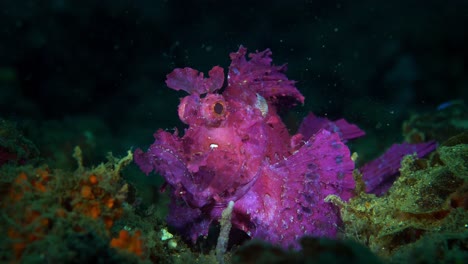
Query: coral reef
{"x": 430, "y": 198}
{"x": 41, "y": 206}
{"x": 91, "y": 74}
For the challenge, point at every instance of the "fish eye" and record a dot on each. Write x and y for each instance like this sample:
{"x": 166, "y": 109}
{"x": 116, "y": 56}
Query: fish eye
{"x": 213, "y": 109}
{"x": 218, "y": 108}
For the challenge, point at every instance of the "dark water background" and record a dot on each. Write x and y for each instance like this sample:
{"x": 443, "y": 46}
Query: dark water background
{"x": 92, "y": 72}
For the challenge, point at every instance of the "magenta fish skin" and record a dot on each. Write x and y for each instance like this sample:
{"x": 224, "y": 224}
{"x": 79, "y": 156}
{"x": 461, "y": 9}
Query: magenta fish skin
{"x": 237, "y": 148}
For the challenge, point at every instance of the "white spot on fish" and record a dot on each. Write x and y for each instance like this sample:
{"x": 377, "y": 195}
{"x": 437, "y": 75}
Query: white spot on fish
{"x": 213, "y": 146}
{"x": 262, "y": 105}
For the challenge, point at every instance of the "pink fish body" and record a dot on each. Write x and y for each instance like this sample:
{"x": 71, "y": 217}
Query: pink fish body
{"x": 236, "y": 148}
